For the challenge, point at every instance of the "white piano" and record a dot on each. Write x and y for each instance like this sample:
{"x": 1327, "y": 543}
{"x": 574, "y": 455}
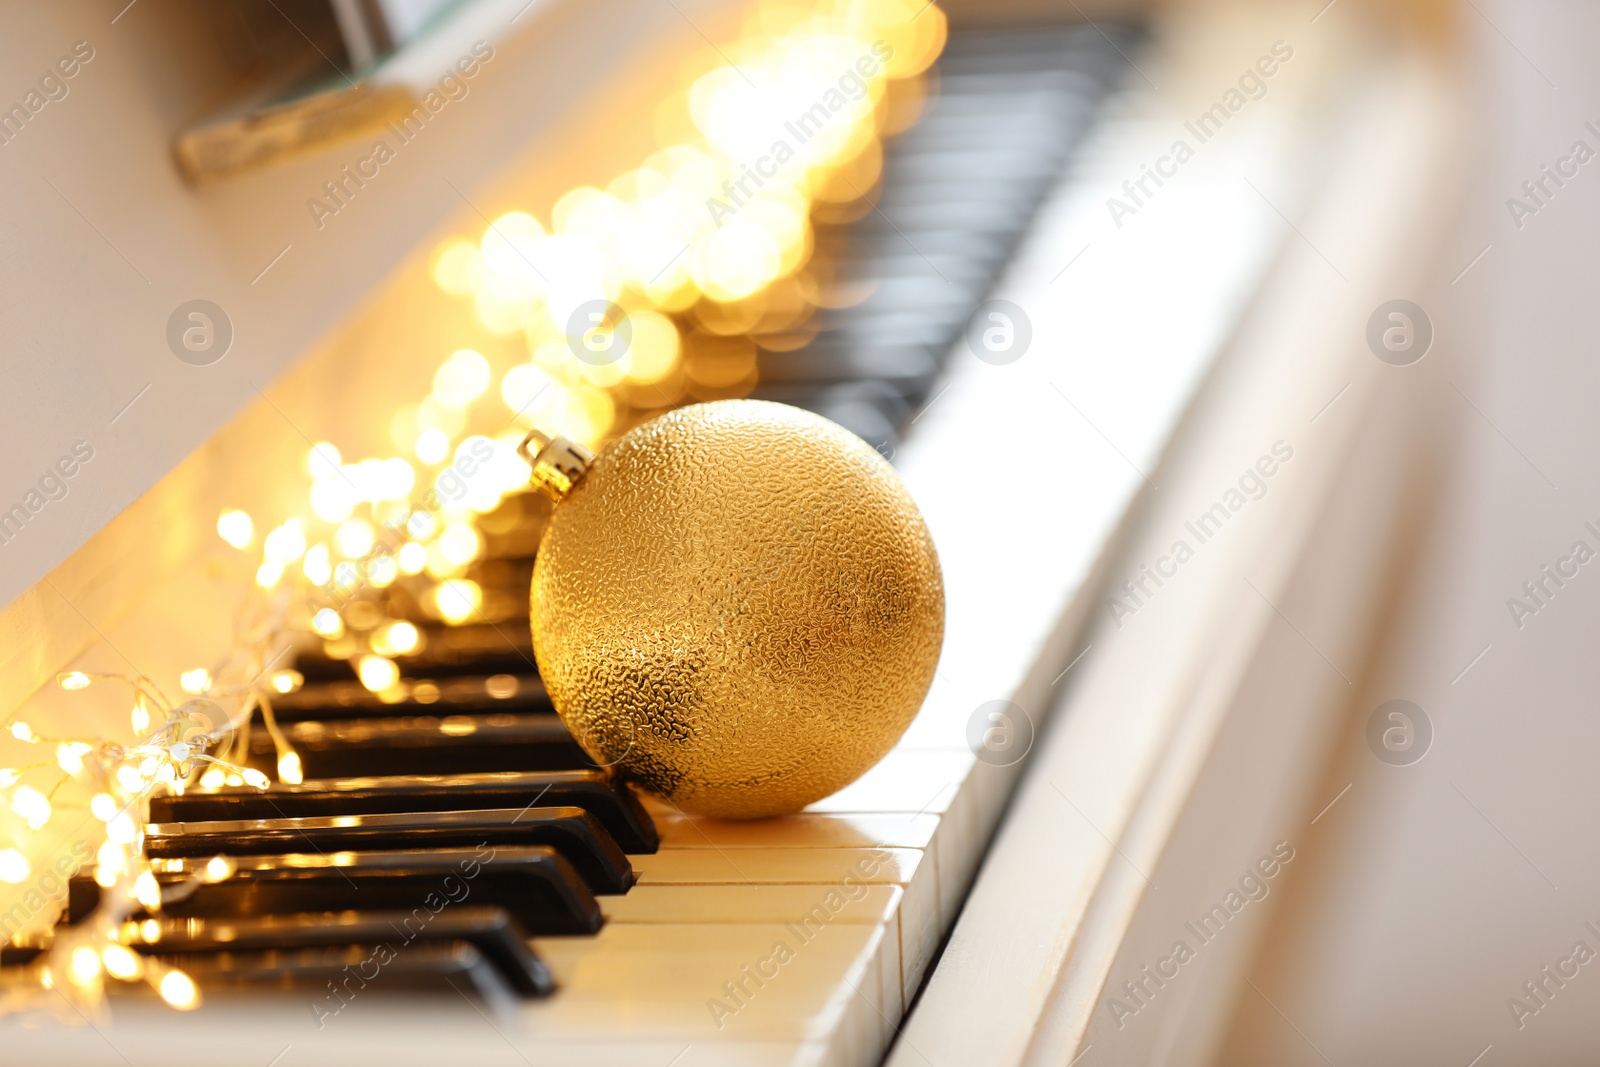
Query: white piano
{"x": 1111, "y": 714}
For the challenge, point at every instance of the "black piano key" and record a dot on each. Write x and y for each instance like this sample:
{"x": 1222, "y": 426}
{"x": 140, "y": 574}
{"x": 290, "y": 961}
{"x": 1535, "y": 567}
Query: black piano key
{"x": 617, "y": 809}
{"x": 573, "y": 832}
{"x": 535, "y": 884}
{"x": 519, "y": 694}
{"x": 492, "y": 931}
{"x": 434, "y": 966}
{"x": 447, "y": 652}
{"x": 452, "y": 744}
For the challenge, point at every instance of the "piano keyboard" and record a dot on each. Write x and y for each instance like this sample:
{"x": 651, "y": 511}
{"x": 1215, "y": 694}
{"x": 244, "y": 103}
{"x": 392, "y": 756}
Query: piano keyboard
{"x": 450, "y": 837}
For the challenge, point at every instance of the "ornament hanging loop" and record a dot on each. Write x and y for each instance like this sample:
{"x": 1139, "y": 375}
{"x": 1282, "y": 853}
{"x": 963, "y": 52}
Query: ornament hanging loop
{"x": 558, "y": 462}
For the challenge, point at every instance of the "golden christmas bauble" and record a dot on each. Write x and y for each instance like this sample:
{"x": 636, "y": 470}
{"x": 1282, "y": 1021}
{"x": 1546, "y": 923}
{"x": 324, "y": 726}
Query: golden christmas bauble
{"x": 736, "y": 605}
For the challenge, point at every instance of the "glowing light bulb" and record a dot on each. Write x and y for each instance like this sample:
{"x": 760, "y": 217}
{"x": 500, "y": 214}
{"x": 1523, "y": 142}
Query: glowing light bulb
{"x": 328, "y": 623}
{"x": 317, "y": 565}
{"x": 377, "y": 673}
{"x": 255, "y": 778}
{"x": 84, "y": 965}
{"x": 269, "y": 574}
{"x": 460, "y": 543}
{"x": 457, "y": 600}
{"x": 8, "y": 776}
{"x": 14, "y": 866}
{"x": 69, "y": 756}
{"x": 458, "y": 268}
{"x": 462, "y": 378}
{"x": 73, "y": 680}
{"x": 121, "y": 829}
{"x": 286, "y": 543}
{"x": 287, "y": 681}
{"x": 196, "y": 681}
{"x": 31, "y": 806}
{"x": 290, "y": 769}
{"x": 128, "y": 779}
{"x": 412, "y": 557}
{"x": 382, "y": 570}
{"x": 218, "y": 869}
{"x": 354, "y": 538}
{"x": 396, "y": 639}
{"x": 139, "y": 717}
{"x": 178, "y": 990}
{"x": 147, "y": 890}
{"x": 323, "y": 461}
{"x": 236, "y": 527}
{"x": 103, "y": 807}
{"x": 213, "y": 778}
{"x": 432, "y": 446}
{"x": 120, "y": 962}
{"x": 23, "y": 732}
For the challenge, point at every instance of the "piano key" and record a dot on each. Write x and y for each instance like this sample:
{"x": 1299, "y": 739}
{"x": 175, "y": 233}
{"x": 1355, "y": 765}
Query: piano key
{"x": 756, "y": 903}
{"x": 668, "y": 975}
{"x": 468, "y": 695}
{"x": 614, "y": 806}
{"x": 473, "y": 649}
{"x": 572, "y": 832}
{"x": 535, "y": 884}
{"x": 491, "y": 930}
{"x": 831, "y": 870}
{"x": 453, "y": 744}
{"x": 434, "y": 965}
{"x": 803, "y": 907}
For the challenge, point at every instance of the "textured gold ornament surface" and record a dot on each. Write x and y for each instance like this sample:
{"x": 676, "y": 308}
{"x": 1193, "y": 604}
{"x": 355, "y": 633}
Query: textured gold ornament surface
{"x": 739, "y": 607}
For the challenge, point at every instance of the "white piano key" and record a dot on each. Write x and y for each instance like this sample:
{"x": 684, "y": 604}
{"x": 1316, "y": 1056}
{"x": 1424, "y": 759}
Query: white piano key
{"x": 872, "y": 905}
{"x": 920, "y": 929}
{"x": 707, "y": 983}
{"x": 807, "y": 830}
{"x": 866, "y": 904}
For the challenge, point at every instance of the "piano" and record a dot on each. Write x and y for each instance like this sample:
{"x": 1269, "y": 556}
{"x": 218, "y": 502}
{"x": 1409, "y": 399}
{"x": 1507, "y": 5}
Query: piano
{"x": 443, "y": 871}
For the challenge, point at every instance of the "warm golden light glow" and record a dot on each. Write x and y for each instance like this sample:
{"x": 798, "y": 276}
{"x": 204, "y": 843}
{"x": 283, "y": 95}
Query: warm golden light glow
{"x": 14, "y": 866}
{"x": 31, "y": 806}
{"x": 289, "y": 768}
{"x": 396, "y": 639}
{"x": 148, "y": 890}
{"x": 236, "y": 528}
{"x": 377, "y": 673}
{"x": 178, "y": 990}
{"x": 69, "y": 756}
{"x": 120, "y": 962}
{"x": 73, "y": 680}
{"x": 354, "y": 538}
{"x": 287, "y": 681}
{"x": 328, "y": 623}
{"x": 457, "y": 600}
